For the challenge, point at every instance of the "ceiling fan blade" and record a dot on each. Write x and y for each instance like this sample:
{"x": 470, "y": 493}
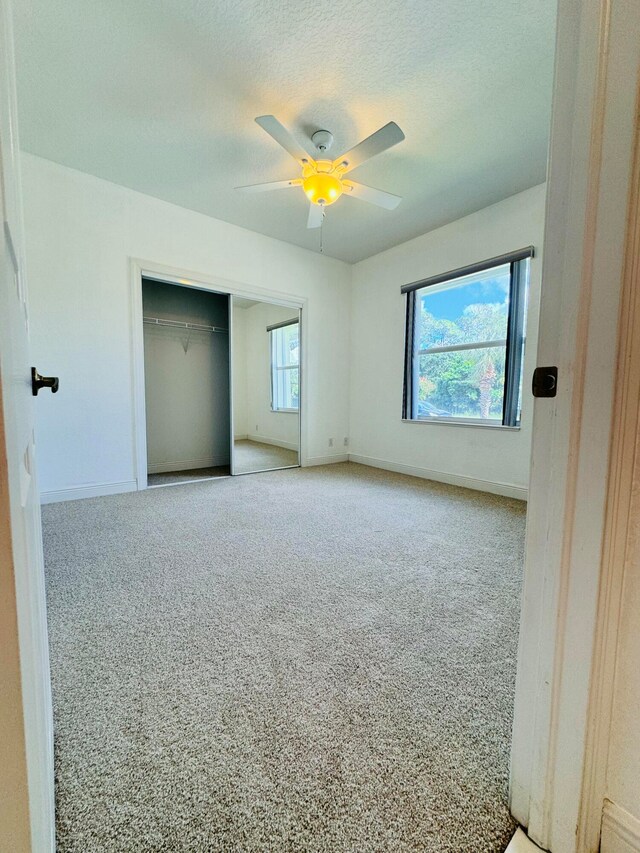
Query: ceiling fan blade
{"x": 270, "y": 185}
{"x": 386, "y": 137}
{"x": 282, "y": 136}
{"x": 316, "y": 215}
{"x": 373, "y": 196}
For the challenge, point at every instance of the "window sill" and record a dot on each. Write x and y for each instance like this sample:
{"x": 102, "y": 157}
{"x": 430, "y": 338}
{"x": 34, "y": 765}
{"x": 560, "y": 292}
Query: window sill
{"x": 462, "y": 423}
{"x": 285, "y": 411}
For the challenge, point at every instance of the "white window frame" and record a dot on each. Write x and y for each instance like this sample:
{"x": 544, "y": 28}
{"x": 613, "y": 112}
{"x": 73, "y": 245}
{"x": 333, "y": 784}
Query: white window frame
{"x": 276, "y": 368}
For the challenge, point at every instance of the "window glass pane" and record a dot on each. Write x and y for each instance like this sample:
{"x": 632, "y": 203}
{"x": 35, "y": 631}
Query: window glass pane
{"x": 291, "y": 346}
{"x": 291, "y": 388}
{"x": 461, "y": 384}
{"x": 278, "y": 389}
{"x": 286, "y": 388}
{"x": 468, "y": 310}
{"x": 286, "y": 345}
{"x": 284, "y": 367}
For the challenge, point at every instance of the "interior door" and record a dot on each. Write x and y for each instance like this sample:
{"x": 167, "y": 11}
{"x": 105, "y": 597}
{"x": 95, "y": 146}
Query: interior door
{"x": 26, "y": 788}
{"x": 554, "y": 772}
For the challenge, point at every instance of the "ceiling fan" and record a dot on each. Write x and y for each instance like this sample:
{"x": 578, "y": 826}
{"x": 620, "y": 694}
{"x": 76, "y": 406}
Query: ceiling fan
{"x": 323, "y": 180}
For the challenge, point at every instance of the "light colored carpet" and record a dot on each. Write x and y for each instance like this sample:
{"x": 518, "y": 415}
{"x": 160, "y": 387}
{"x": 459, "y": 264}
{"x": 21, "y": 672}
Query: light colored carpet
{"x": 256, "y": 456}
{"x": 166, "y": 478}
{"x": 319, "y": 659}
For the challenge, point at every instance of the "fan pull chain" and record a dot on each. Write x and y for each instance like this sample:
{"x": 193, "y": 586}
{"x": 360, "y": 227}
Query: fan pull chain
{"x": 321, "y": 234}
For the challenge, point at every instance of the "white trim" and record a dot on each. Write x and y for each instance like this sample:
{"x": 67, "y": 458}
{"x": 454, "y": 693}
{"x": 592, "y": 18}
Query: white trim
{"x": 619, "y": 826}
{"x": 521, "y": 843}
{"x": 223, "y": 286}
{"x": 138, "y": 404}
{"x": 232, "y": 402}
{"x": 95, "y": 491}
{"x": 201, "y": 281}
{"x": 508, "y": 490}
{"x": 313, "y": 461}
{"x": 464, "y": 422}
{"x": 619, "y": 552}
{"x": 189, "y": 482}
{"x": 276, "y": 442}
{"x": 188, "y": 465}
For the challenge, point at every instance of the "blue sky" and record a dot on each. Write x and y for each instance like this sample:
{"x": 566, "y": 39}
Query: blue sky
{"x": 450, "y": 304}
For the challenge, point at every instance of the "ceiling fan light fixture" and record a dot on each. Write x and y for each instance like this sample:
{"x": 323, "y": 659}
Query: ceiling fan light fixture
{"x": 322, "y": 189}
{"x": 323, "y": 181}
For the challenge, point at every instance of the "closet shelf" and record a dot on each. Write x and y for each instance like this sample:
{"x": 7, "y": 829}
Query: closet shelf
{"x": 176, "y": 324}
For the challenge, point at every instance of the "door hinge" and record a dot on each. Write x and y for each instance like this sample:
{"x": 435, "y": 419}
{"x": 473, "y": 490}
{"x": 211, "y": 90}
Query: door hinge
{"x": 545, "y": 382}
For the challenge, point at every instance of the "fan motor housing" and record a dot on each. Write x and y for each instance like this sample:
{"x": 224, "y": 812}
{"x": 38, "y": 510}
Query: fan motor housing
{"x": 323, "y": 140}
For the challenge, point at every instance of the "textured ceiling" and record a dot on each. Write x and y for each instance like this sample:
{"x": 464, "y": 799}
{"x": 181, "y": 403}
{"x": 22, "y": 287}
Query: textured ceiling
{"x": 160, "y": 96}
{"x": 241, "y": 302}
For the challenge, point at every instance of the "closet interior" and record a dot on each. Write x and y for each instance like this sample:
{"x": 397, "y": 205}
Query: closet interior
{"x": 212, "y": 360}
{"x": 186, "y": 362}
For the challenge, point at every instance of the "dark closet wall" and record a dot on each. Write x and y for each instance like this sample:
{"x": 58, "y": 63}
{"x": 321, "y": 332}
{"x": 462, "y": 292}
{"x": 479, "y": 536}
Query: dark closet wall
{"x": 186, "y": 379}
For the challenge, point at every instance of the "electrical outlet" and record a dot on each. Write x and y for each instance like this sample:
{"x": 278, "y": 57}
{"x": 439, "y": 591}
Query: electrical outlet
{"x": 346, "y": 441}
{"x": 330, "y": 442}
{"x": 256, "y": 427}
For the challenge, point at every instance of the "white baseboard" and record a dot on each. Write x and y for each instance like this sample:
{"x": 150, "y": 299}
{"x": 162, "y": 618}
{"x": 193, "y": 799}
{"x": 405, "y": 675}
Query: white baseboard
{"x": 311, "y": 461}
{"x": 506, "y": 489}
{"x": 240, "y": 437}
{"x": 188, "y": 465}
{"x": 620, "y": 830}
{"x": 96, "y": 491}
{"x": 521, "y": 843}
{"x": 276, "y": 442}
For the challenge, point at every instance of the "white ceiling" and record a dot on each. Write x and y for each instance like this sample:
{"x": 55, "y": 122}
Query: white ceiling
{"x": 241, "y": 302}
{"x": 160, "y": 96}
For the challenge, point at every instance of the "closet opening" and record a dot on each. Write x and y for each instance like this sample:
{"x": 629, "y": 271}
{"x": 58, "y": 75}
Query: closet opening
{"x": 187, "y": 383}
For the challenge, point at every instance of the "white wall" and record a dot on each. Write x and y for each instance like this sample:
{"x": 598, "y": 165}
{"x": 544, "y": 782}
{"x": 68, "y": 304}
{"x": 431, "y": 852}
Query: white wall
{"x": 186, "y": 379}
{"x": 81, "y": 233}
{"x": 479, "y": 457}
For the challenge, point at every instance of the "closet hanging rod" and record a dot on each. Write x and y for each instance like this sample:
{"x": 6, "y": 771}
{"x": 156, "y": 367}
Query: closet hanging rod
{"x": 176, "y": 324}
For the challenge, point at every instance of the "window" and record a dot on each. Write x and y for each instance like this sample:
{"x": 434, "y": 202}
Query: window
{"x": 465, "y": 343}
{"x": 285, "y": 368}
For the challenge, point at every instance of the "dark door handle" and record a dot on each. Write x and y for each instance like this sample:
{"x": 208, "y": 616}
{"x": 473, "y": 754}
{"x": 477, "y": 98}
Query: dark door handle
{"x": 544, "y": 382}
{"x": 38, "y": 382}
